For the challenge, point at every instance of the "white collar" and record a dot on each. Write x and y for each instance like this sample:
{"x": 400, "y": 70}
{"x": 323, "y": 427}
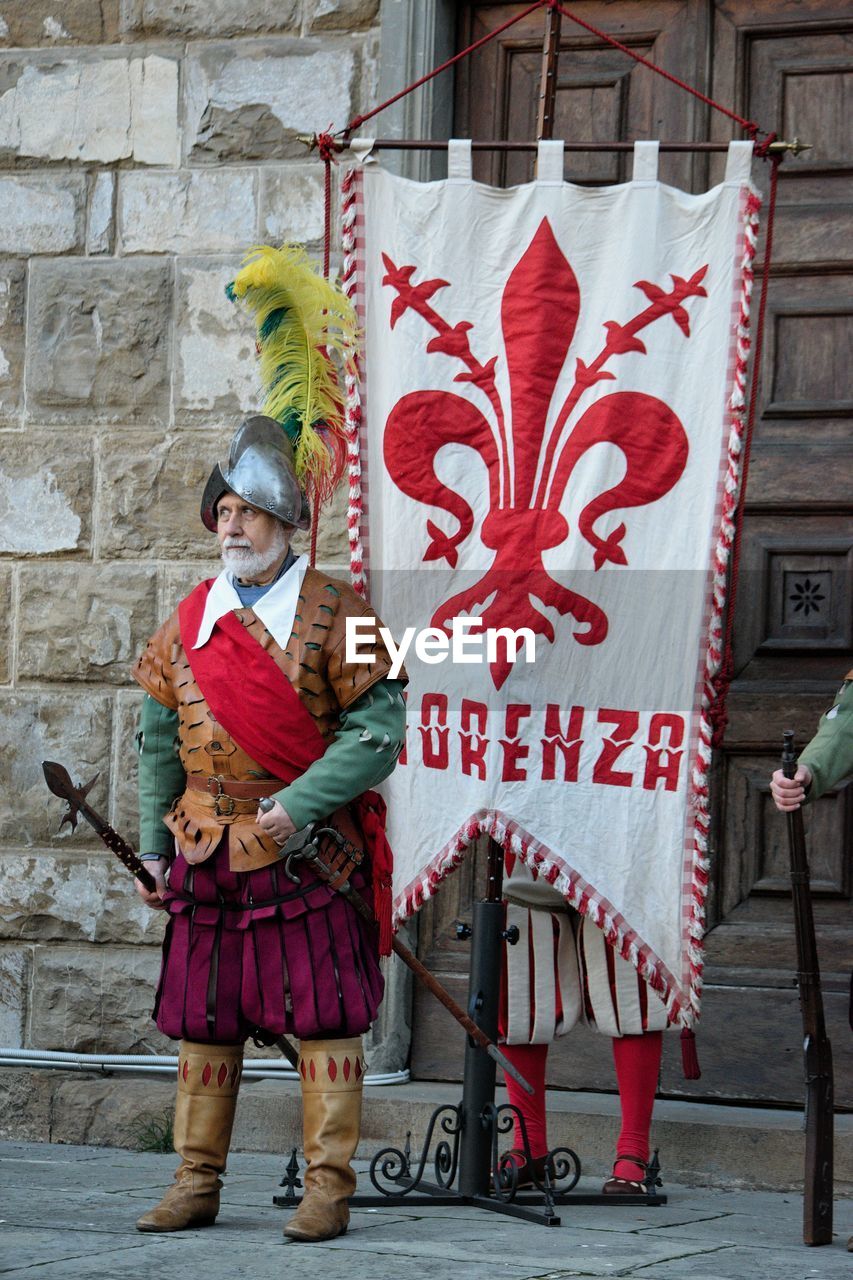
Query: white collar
{"x": 276, "y": 608}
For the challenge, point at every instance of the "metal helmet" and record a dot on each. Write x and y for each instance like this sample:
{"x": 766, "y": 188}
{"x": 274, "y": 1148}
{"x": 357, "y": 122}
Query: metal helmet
{"x": 260, "y": 469}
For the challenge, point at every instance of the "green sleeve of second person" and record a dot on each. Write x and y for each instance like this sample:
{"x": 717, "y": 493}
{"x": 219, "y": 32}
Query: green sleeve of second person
{"x": 829, "y": 755}
{"x": 161, "y": 775}
{"x": 363, "y": 752}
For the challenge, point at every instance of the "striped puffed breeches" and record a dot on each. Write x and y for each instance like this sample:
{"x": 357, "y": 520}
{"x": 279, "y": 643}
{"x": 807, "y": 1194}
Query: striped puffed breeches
{"x": 561, "y": 971}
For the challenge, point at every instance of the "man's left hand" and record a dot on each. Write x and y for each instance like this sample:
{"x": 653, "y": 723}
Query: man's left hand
{"x": 276, "y": 823}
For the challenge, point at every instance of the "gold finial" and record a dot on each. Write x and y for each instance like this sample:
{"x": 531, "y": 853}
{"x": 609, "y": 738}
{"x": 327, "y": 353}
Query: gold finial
{"x": 794, "y": 146}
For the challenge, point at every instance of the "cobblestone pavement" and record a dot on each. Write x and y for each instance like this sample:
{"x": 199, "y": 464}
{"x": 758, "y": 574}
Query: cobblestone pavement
{"x": 69, "y": 1212}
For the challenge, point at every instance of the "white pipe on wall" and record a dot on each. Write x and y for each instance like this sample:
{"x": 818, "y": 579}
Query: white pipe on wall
{"x": 253, "y": 1068}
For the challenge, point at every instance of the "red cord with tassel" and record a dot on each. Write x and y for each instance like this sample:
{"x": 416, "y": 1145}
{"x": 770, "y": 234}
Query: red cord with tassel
{"x": 689, "y": 1056}
{"x": 371, "y": 814}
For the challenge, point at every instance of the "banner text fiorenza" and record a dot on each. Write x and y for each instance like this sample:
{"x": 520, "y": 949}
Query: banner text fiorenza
{"x": 604, "y": 746}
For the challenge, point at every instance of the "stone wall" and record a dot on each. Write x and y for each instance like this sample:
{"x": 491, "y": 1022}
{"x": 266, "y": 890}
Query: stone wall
{"x": 144, "y": 144}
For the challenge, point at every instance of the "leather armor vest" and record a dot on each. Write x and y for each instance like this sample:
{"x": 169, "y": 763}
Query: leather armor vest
{"x": 315, "y": 664}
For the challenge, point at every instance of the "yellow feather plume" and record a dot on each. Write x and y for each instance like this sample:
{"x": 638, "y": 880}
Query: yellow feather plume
{"x": 302, "y": 321}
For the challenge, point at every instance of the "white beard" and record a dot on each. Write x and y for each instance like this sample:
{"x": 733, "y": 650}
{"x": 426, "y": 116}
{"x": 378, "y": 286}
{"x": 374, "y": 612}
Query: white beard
{"x": 246, "y": 563}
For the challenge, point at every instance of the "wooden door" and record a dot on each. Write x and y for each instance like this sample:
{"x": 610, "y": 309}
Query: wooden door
{"x": 788, "y": 66}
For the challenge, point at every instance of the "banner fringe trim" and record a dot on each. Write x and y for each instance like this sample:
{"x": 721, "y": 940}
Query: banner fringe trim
{"x": 353, "y": 381}
{"x": 700, "y": 787}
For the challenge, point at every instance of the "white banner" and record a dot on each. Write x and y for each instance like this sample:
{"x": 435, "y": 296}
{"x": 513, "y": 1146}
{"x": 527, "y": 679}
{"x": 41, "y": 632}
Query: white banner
{"x": 550, "y": 417}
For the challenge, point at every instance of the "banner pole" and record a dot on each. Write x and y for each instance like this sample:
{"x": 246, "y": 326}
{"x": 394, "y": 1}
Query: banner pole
{"x": 478, "y": 1081}
{"x": 548, "y": 82}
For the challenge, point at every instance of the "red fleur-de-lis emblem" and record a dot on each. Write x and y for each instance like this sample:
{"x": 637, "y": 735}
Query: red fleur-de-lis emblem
{"x": 531, "y": 447}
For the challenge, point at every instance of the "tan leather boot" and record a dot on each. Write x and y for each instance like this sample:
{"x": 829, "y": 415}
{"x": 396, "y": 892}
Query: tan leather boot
{"x": 208, "y": 1082}
{"x": 331, "y": 1074}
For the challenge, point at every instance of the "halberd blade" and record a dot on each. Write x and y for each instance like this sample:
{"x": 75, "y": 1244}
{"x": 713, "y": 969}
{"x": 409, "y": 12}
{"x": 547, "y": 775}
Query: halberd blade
{"x": 84, "y": 791}
{"x": 70, "y": 816}
{"x": 59, "y": 781}
{"x": 57, "y": 778}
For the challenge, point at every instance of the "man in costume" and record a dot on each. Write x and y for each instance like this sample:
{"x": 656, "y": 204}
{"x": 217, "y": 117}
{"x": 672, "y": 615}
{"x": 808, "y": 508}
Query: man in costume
{"x": 561, "y": 972}
{"x": 250, "y": 698}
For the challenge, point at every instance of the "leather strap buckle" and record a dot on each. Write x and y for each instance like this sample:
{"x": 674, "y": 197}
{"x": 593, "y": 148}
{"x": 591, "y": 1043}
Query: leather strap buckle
{"x": 220, "y": 798}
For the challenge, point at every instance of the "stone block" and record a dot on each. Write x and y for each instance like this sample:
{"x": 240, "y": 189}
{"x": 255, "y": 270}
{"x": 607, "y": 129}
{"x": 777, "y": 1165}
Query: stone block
{"x": 13, "y": 292}
{"x": 332, "y": 540}
{"x": 204, "y": 211}
{"x": 5, "y": 624}
{"x": 100, "y": 106}
{"x": 70, "y": 897}
{"x": 341, "y": 15}
{"x": 292, "y": 203}
{"x": 100, "y": 226}
{"x": 269, "y": 1115}
{"x": 249, "y": 101}
{"x": 42, "y": 214}
{"x": 371, "y": 73}
{"x": 14, "y": 985}
{"x": 95, "y": 999}
{"x": 98, "y": 341}
{"x": 84, "y": 621}
{"x": 96, "y": 1112}
{"x": 46, "y": 489}
{"x": 72, "y": 728}
{"x": 150, "y": 496}
{"x": 207, "y": 18}
{"x": 179, "y": 579}
{"x": 216, "y": 374}
{"x": 57, "y": 23}
{"x": 26, "y": 1105}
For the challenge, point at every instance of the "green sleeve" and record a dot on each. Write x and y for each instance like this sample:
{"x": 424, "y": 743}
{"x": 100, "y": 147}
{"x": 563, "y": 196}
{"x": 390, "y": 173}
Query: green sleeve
{"x": 161, "y": 774}
{"x": 363, "y": 752}
{"x": 829, "y": 755}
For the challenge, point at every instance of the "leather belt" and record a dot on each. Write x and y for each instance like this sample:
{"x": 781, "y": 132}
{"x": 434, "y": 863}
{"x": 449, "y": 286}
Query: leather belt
{"x": 225, "y": 791}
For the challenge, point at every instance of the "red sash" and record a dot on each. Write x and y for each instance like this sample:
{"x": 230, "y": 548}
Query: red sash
{"x": 248, "y": 693}
{"x": 255, "y": 702}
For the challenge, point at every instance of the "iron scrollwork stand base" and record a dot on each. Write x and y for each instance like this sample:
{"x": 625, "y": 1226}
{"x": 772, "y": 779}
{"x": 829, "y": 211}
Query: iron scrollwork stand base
{"x": 549, "y": 1182}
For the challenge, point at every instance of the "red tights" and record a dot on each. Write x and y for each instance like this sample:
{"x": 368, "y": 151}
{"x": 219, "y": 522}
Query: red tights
{"x": 637, "y": 1060}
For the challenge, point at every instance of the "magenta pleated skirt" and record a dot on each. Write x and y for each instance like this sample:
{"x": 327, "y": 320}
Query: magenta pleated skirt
{"x": 250, "y": 953}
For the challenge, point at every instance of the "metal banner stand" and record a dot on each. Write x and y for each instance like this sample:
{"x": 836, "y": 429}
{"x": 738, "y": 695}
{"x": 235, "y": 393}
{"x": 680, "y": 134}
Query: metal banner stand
{"x": 472, "y": 1132}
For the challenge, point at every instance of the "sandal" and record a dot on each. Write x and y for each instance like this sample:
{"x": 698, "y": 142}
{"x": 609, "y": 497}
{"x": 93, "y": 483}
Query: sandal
{"x": 615, "y": 1186}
